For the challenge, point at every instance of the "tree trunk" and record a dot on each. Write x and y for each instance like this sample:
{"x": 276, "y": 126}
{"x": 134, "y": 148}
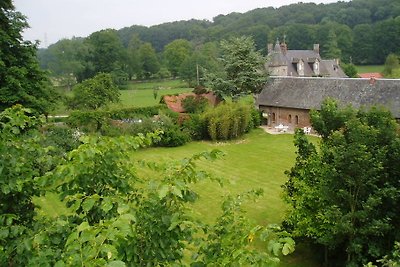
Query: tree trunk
{"x": 326, "y": 256}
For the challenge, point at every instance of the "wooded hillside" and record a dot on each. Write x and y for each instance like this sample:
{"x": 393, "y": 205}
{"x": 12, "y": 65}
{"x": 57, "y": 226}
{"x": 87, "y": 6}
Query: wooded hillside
{"x": 359, "y": 31}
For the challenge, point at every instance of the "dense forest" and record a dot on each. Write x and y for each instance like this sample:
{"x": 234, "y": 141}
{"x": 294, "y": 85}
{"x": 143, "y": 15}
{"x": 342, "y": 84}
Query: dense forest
{"x": 362, "y": 32}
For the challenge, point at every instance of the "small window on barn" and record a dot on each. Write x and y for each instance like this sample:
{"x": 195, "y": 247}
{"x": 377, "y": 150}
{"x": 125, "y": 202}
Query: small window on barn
{"x": 290, "y": 118}
{"x": 273, "y": 117}
{"x": 296, "y": 119}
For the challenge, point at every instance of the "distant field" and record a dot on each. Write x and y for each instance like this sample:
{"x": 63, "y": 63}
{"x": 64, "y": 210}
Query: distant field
{"x": 370, "y": 68}
{"x": 165, "y": 84}
{"x": 140, "y": 94}
{"x": 145, "y": 97}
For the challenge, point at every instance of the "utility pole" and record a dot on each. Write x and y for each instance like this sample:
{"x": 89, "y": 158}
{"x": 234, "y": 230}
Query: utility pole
{"x": 197, "y": 72}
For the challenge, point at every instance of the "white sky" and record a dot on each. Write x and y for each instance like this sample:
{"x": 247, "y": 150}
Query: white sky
{"x": 52, "y": 20}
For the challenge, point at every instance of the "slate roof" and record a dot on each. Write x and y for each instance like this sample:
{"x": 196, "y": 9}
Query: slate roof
{"x": 330, "y": 68}
{"x": 309, "y": 92}
{"x": 289, "y": 58}
{"x": 277, "y": 58}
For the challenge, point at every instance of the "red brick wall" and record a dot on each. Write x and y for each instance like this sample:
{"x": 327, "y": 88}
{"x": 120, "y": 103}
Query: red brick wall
{"x": 294, "y": 118}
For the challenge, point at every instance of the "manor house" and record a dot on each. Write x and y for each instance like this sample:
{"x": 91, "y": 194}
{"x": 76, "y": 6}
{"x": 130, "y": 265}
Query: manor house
{"x": 300, "y": 63}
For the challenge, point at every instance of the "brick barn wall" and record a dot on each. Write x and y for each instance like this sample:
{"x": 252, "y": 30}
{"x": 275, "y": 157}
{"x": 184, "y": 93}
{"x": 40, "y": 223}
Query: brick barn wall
{"x": 294, "y": 118}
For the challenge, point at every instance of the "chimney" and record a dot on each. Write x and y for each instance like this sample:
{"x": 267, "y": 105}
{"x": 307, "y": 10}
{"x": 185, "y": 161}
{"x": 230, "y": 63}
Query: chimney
{"x": 284, "y": 48}
{"x": 316, "y": 48}
{"x": 270, "y": 48}
{"x": 372, "y": 81}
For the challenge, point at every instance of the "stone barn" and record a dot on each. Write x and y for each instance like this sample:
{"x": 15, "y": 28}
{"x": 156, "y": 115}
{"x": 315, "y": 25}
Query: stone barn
{"x": 288, "y": 100}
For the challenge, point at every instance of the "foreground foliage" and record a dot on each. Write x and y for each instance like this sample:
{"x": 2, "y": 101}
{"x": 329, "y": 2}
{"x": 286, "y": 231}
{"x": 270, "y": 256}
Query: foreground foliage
{"x": 115, "y": 217}
{"x": 21, "y": 80}
{"x": 345, "y": 196}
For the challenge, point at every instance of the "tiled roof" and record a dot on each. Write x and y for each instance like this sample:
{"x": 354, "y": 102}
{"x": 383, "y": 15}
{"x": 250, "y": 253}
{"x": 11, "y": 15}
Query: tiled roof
{"x": 290, "y": 58}
{"x": 375, "y": 75}
{"x": 308, "y": 92}
{"x": 174, "y": 102}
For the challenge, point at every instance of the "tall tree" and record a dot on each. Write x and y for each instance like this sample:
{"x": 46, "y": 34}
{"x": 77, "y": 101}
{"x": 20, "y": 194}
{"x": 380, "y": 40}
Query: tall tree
{"x": 363, "y": 44}
{"x": 148, "y": 60}
{"x": 175, "y": 54}
{"x": 330, "y": 48}
{"x": 134, "y": 67}
{"x": 94, "y": 93}
{"x": 203, "y": 59}
{"x": 345, "y": 195}
{"x": 106, "y": 53}
{"x": 386, "y": 39}
{"x": 244, "y": 71}
{"x": 21, "y": 80}
{"x": 392, "y": 63}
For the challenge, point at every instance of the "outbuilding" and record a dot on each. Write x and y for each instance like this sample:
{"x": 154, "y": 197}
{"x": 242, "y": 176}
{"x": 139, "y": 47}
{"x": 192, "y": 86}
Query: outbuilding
{"x": 288, "y": 100}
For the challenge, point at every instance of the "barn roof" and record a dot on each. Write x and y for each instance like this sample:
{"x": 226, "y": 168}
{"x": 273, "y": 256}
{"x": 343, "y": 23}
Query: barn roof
{"x": 309, "y": 92}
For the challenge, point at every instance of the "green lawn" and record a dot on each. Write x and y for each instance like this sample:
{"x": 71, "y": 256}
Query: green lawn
{"x": 256, "y": 161}
{"x": 145, "y": 97}
{"x": 369, "y": 68}
{"x": 139, "y": 94}
{"x": 163, "y": 84}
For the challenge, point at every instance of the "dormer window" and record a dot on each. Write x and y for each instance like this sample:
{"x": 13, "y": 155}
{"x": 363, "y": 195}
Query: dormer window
{"x": 300, "y": 68}
{"x": 316, "y": 68}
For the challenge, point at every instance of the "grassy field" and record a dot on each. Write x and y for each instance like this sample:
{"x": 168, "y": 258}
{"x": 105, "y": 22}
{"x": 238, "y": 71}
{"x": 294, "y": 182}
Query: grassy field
{"x": 369, "y": 68}
{"x": 140, "y": 94}
{"x": 256, "y": 161}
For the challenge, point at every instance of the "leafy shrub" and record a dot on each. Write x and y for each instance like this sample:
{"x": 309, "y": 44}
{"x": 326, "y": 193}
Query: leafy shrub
{"x": 256, "y": 118}
{"x": 195, "y": 104}
{"x": 198, "y": 90}
{"x": 195, "y": 126}
{"x": 228, "y": 121}
{"x": 173, "y": 136}
{"x": 172, "y": 115}
{"x": 88, "y": 121}
{"x": 62, "y": 138}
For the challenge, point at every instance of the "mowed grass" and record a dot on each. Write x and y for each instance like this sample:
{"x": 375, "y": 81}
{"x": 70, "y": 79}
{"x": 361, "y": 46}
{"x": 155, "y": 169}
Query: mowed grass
{"x": 257, "y": 160}
{"x": 369, "y": 68}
